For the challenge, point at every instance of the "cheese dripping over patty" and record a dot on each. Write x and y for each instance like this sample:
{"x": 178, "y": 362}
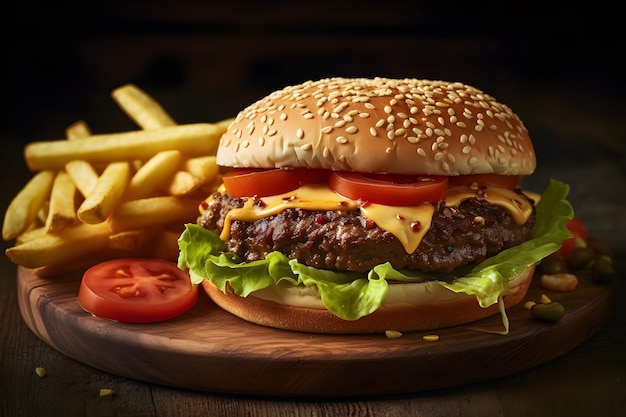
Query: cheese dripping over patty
{"x": 407, "y": 223}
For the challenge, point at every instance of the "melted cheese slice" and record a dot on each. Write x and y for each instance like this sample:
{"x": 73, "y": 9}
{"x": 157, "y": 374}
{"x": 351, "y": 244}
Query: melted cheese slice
{"x": 307, "y": 197}
{"x": 408, "y": 224}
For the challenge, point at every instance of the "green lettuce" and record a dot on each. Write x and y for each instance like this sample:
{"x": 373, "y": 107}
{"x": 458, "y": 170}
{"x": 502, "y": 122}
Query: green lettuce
{"x": 351, "y": 295}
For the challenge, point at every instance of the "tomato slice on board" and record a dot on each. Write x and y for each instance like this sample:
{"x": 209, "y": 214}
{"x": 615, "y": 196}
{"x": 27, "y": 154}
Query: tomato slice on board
{"x": 510, "y": 182}
{"x": 578, "y": 230}
{"x": 136, "y": 290}
{"x": 389, "y": 189}
{"x": 244, "y": 182}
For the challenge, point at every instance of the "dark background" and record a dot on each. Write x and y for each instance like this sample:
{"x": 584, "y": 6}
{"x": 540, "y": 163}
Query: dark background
{"x": 558, "y": 67}
{"x": 62, "y": 59}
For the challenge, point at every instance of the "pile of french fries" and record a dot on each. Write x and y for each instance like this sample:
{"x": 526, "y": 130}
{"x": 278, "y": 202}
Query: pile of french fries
{"x": 94, "y": 197}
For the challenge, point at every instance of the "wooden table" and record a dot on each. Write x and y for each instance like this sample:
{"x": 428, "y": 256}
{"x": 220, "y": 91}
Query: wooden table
{"x": 576, "y": 142}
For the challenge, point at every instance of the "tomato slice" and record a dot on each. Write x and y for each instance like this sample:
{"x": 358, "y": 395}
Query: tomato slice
{"x": 578, "y": 230}
{"x": 389, "y": 189}
{"x": 244, "y": 182}
{"x": 510, "y": 182}
{"x": 136, "y": 290}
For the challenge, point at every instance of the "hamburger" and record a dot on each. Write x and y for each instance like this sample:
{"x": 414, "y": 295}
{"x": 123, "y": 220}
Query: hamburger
{"x": 365, "y": 205}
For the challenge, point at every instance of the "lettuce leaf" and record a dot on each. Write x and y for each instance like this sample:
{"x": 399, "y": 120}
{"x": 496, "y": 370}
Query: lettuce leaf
{"x": 352, "y": 295}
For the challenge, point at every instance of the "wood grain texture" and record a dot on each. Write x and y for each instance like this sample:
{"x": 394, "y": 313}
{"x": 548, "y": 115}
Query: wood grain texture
{"x": 208, "y": 349}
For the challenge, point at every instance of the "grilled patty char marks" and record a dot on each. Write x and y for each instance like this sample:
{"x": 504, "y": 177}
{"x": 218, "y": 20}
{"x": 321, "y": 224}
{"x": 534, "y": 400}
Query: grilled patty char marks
{"x": 345, "y": 240}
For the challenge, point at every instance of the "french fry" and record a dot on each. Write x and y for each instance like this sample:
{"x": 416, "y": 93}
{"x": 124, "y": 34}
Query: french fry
{"x": 204, "y": 167}
{"x": 141, "y": 107}
{"x": 226, "y": 122}
{"x": 69, "y": 265}
{"x": 155, "y": 211}
{"x": 52, "y": 249}
{"x": 42, "y": 213}
{"x": 183, "y": 183}
{"x": 62, "y": 211}
{"x": 130, "y": 240}
{"x": 106, "y": 194}
{"x": 165, "y": 245}
{"x": 121, "y": 214}
{"x": 152, "y": 175}
{"x": 78, "y": 130}
{"x": 81, "y": 172}
{"x": 23, "y": 209}
{"x": 191, "y": 139}
{"x": 30, "y": 234}
{"x": 83, "y": 175}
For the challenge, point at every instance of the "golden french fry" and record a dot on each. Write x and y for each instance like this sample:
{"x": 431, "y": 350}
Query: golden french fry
{"x": 155, "y": 211}
{"x": 191, "y": 139}
{"x": 81, "y": 172}
{"x": 165, "y": 245}
{"x": 69, "y": 265}
{"x": 225, "y": 122}
{"x": 152, "y": 175}
{"x": 62, "y": 211}
{"x": 24, "y": 207}
{"x": 42, "y": 213}
{"x": 50, "y": 249}
{"x": 141, "y": 107}
{"x": 83, "y": 175}
{"x": 30, "y": 234}
{"x": 130, "y": 239}
{"x": 106, "y": 195}
{"x": 78, "y": 130}
{"x": 183, "y": 183}
{"x": 203, "y": 167}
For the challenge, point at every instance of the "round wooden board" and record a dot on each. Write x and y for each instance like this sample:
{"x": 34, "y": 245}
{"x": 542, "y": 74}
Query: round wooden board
{"x": 208, "y": 349}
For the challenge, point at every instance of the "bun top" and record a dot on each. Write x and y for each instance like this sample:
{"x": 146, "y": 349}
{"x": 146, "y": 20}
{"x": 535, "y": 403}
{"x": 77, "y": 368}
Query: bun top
{"x": 380, "y": 125}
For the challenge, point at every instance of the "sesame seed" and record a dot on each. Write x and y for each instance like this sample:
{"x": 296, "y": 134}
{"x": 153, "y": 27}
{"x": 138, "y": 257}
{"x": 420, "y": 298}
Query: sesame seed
{"x": 341, "y": 139}
{"x": 373, "y": 132}
{"x": 299, "y": 133}
{"x": 351, "y": 129}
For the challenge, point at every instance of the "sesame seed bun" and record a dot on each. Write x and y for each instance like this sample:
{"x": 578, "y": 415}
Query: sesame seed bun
{"x": 407, "y": 307}
{"x": 381, "y": 125}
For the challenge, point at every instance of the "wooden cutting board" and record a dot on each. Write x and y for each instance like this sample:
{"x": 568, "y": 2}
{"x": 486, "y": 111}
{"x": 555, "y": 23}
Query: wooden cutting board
{"x": 208, "y": 349}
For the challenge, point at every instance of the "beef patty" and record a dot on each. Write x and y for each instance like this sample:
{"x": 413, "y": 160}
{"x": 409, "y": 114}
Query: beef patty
{"x": 345, "y": 240}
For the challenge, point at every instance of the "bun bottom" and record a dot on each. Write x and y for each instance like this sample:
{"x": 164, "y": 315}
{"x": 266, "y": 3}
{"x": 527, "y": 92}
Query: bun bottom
{"x": 425, "y": 311}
